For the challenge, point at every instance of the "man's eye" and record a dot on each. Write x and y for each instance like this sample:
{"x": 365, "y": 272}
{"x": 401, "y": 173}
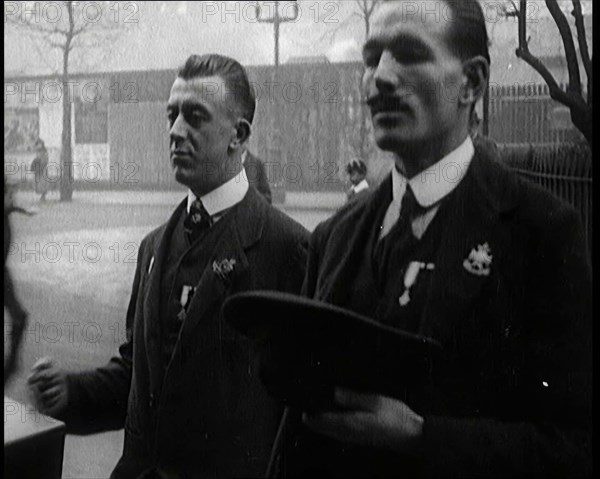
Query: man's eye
{"x": 408, "y": 57}
{"x": 410, "y": 53}
{"x": 371, "y": 60}
{"x": 195, "y": 116}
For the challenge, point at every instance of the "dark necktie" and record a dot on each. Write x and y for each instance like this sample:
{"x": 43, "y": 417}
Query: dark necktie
{"x": 409, "y": 210}
{"x": 401, "y": 236}
{"x": 197, "y": 221}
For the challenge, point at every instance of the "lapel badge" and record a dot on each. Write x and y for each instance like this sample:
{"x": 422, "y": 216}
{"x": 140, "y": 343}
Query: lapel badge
{"x": 479, "y": 261}
{"x": 223, "y": 269}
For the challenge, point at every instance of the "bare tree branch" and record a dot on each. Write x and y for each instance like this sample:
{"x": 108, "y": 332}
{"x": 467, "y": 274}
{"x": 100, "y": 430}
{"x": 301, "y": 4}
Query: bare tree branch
{"x": 68, "y": 35}
{"x": 33, "y": 27}
{"x": 366, "y": 8}
{"x": 77, "y": 31}
{"x": 581, "y": 111}
{"x": 523, "y": 52}
{"x": 570, "y": 52}
{"x": 364, "y": 11}
{"x": 331, "y": 34}
{"x": 583, "y": 45}
{"x": 373, "y": 5}
{"x": 555, "y": 91}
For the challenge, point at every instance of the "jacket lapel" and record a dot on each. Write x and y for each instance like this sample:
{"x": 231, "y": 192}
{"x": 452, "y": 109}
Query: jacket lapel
{"x": 350, "y": 249}
{"x": 152, "y": 332}
{"x": 244, "y": 230}
{"x": 473, "y": 217}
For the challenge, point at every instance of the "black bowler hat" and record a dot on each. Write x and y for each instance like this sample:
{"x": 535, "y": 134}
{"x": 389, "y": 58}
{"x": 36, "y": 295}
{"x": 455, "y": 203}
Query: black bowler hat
{"x": 306, "y": 348}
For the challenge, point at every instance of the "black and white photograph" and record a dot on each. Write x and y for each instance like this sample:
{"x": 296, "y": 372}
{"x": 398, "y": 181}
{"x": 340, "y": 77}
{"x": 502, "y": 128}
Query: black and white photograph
{"x": 295, "y": 239}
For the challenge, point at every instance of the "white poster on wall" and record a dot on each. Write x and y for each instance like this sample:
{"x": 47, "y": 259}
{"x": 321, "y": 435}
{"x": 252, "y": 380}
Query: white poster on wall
{"x": 91, "y": 162}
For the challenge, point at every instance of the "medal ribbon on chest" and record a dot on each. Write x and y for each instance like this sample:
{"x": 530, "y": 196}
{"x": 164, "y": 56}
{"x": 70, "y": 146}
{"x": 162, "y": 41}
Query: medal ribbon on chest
{"x": 410, "y": 278}
{"x": 187, "y": 292}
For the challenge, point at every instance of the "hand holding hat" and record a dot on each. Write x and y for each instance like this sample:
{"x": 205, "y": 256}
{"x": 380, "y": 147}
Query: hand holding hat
{"x": 368, "y": 420}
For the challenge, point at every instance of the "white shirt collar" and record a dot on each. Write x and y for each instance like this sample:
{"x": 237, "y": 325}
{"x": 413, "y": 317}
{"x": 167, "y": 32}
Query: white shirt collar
{"x": 437, "y": 181}
{"x": 223, "y": 197}
{"x": 363, "y": 185}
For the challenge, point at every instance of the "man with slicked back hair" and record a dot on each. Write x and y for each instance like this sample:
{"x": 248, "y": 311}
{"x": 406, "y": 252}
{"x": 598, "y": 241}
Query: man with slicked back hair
{"x": 183, "y": 385}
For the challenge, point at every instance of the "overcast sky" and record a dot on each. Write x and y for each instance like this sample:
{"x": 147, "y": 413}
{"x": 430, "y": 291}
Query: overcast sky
{"x": 158, "y": 35}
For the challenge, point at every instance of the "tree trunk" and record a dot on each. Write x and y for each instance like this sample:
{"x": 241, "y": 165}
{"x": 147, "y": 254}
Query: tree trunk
{"x": 66, "y": 178}
{"x": 582, "y": 119}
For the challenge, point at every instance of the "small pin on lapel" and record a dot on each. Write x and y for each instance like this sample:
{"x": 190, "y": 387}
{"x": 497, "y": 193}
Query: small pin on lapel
{"x": 151, "y": 264}
{"x": 224, "y": 268}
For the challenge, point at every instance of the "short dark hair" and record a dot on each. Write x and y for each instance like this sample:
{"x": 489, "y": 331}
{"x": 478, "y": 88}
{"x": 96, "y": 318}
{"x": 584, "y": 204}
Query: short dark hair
{"x": 233, "y": 74}
{"x": 468, "y": 33}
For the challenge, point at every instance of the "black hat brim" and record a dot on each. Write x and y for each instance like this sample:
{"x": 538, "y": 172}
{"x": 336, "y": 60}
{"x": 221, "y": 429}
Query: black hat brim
{"x": 307, "y": 347}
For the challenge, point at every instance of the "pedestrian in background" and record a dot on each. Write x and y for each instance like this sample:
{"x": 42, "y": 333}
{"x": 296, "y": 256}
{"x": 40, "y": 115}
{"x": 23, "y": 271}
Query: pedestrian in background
{"x": 357, "y": 173}
{"x": 39, "y": 166}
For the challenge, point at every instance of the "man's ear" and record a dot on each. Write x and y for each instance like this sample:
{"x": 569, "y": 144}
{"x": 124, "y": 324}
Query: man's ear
{"x": 242, "y": 133}
{"x": 476, "y": 71}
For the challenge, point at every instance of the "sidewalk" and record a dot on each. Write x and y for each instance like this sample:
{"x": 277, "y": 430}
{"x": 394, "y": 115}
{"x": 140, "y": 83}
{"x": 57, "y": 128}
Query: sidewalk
{"x": 293, "y": 200}
{"x": 314, "y": 200}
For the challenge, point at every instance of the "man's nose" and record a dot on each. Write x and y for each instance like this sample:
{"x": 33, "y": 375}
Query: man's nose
{"x": 386, "y": 74}
{"x": 177, "y": 129}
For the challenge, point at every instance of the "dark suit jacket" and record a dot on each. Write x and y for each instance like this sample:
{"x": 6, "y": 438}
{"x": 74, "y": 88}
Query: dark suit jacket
{"x": 257, "y": 175}
{"x": 352, "y": 195}
{"x": 208, "y": 415}
{"x": 514, "y": 395}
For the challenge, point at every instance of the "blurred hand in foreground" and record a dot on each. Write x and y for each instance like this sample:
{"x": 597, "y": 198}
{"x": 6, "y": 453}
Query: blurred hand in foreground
{"x": 48, "y": 385}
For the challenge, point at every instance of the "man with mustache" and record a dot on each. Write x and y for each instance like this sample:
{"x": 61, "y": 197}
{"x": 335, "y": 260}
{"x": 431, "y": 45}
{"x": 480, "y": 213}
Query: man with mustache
{"x": 502, "y": 280}
{"x": 183, "y": 385}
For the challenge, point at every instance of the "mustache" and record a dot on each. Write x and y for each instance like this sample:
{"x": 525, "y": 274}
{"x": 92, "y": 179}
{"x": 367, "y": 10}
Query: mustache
{"x": 380, "y": 103}
{"x": 179, "y": 152}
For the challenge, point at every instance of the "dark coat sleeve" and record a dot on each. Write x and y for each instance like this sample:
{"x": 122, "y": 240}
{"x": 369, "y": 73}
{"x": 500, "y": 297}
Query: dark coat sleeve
{"x": 550, "y": 435}
{"x": 263, "y": 183}
{"x": 257, "y": 176}
{"x": 291, "y": 255}
{"x": 98, "y": 398}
